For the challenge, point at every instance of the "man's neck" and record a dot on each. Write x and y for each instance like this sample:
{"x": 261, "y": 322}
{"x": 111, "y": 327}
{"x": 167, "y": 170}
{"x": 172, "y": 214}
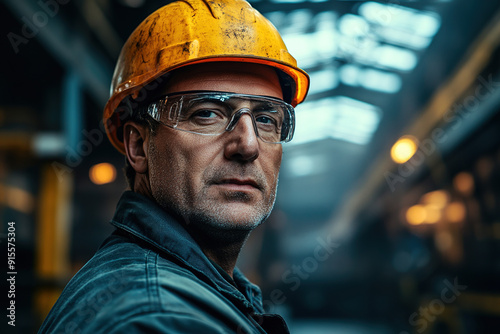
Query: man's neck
{"x": 222, "y": 247}
{"x": 226, "y": 258}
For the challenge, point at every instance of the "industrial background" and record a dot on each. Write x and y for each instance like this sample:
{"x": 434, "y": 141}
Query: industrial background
{"x": 362, "y": 240}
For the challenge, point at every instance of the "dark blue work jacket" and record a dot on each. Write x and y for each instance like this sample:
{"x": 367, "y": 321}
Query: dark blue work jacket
{"x": 150, "y": 276}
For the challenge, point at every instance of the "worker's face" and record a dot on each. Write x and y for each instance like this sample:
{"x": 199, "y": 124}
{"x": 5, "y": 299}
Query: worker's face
{"x": 225, "y": 182}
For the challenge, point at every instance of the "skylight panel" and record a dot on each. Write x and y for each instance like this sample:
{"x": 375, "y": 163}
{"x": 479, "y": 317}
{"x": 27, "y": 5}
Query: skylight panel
{"x": 369, "y": 78}
{"x": 380, "y": 81}
{"x": 394, "y": 57}
{"x": 422, "y": 23}
{"x": 403, "y": 38}
{"x": 324, "y": 80}
{"x": 353, "y": 25}
{"x": 339, "y": 117}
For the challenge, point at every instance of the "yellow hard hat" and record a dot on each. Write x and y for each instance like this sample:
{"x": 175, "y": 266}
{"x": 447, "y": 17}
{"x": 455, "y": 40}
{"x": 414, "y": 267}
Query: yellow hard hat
{"x": 190, "y": 32}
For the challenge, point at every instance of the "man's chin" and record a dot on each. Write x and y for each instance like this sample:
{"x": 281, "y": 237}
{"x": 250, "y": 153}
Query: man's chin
{"x": 221, "y": 229}
{"x": 234, "y": 221}
{"x": 232, "y": 216}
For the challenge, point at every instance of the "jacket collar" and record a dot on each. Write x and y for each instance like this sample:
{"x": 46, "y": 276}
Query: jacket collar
{"x": 145, "y": 219}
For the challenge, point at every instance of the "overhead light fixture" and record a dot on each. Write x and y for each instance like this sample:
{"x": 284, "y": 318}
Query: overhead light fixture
{"x": 102, "y": 173}
{"x": 438, "y": 198}
{"x": 404, "y": 149}
{"x": 416, "y": 215}
{"x": 433, "y": 214}
{"x": 423, "y": 214}
{"x": 463, "y": 182}
{"x": 455, "y": 212}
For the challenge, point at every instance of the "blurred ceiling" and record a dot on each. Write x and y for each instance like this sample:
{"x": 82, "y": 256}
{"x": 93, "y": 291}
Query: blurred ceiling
{"x": 374, "y": 68}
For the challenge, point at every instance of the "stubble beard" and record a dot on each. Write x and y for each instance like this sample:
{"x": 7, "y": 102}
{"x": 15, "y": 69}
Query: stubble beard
{"x": 216, "y": 221}
{"x": 220, "y": 216}
{"x": 214, "y": 216}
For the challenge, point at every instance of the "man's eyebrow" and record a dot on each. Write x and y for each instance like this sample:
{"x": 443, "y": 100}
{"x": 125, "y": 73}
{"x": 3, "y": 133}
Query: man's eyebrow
{"x": 207, "y": 99}
{"x": 263, "y": 104}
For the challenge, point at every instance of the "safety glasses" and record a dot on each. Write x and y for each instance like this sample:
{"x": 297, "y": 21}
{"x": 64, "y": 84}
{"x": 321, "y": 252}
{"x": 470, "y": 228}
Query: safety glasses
{"x": 213, "y": 113}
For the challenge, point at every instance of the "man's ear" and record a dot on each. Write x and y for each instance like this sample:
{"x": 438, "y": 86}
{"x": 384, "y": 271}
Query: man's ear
{"x": 135, "y": 141}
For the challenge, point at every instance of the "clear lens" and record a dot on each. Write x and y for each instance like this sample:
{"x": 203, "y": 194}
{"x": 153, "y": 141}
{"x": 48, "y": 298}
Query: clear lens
{"x": 213, "y": 113}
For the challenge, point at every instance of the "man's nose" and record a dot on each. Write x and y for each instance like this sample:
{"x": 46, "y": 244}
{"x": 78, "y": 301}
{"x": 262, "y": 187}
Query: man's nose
{"x": 243, "y": 143}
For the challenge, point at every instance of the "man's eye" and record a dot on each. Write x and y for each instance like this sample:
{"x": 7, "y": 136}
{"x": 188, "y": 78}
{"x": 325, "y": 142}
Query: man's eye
{"x": 265, "y": 119}
{"x": 205, "y": 114}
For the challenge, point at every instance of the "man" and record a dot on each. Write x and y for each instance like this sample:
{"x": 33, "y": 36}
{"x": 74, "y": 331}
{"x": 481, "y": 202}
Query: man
{"x": 199, "y": 108}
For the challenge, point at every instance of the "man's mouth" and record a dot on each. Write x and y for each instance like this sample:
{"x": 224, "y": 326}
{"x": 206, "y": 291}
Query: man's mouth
{"x": 239, "y": 184}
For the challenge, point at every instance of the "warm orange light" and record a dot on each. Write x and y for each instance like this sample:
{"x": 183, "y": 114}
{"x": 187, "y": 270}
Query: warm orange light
{"x": 17, "y": 198}
{"x": 464, "y": 183}
{"x": 444, "y": 240}
{"x": 102, "y": 173}
{"x": 432, "y": 214}
{"x": 416, "y": 215}
{"x": 484, "y": 167}
{"x": 455, "y": 212}
{"x": 438, "y": 198}
{"x": 404, "y": 149}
